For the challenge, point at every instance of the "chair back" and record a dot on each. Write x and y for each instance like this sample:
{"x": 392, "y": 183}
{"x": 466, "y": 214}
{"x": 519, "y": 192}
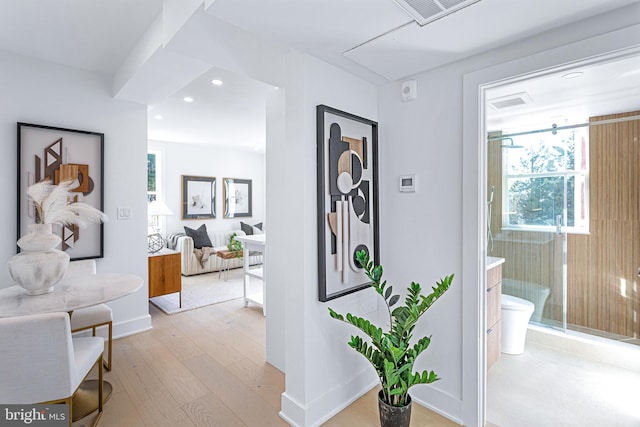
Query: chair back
{"x": 36, "y": 358}
{"x": 81, "y": 267}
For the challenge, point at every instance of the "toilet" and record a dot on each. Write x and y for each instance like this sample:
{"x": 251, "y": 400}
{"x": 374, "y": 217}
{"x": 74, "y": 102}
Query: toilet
{"x": 534, "y": 292}
{"x": 516, "y": 313}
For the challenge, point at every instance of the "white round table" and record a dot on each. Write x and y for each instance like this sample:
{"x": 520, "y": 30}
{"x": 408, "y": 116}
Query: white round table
{"x": 69, "y": 294}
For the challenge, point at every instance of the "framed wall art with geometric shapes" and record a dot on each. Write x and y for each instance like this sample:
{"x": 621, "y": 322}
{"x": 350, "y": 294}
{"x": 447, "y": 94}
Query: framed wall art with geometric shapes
{"x": 59, "y": 154}
{"x": 347, "y": 160}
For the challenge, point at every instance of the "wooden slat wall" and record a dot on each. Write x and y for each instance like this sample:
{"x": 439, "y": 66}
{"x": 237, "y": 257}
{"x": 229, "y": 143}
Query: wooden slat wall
{"x": 494, "y": 168}
{"x": 603, "y": 289}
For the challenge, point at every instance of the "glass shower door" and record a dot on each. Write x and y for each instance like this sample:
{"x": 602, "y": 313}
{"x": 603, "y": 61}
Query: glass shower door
{"x": 539, "y": 181}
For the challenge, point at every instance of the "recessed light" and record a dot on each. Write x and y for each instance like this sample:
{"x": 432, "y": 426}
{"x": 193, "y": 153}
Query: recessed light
{"x": 158, "y": 117}
{"x": 187, "y": 99}
{"x": 217, "y": 82}
{"x": 256, "y": 148}
{"x": 573, "y": 75}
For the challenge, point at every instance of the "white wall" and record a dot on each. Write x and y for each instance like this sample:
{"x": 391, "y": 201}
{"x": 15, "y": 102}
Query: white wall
{"x": 48, "y": 94}
{"x": 201, "y": 160}
{"x": 440, "y": 228}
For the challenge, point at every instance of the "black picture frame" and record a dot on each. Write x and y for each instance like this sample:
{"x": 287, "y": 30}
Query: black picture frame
{"x": 238, "y": 198}
{"x": 198, "y": 197}
{"x": 59, "y": 153}
{"x": 347, "y": 179}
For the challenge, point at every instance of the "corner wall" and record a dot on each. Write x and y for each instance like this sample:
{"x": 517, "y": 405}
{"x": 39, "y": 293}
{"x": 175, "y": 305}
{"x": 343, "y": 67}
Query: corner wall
{"x": 323, "y": 374}
{"x": 44, "y": 93}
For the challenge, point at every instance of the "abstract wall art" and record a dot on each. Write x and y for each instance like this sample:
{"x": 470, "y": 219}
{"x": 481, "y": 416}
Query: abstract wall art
{"x": 60, "y": 154}
{"x": 198, "y": 197}
{"x": 347, "y": 200}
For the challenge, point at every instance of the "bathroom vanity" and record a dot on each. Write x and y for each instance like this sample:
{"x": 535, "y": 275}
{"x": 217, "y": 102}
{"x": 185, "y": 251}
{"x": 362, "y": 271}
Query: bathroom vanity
{"x": 493, "y": 308}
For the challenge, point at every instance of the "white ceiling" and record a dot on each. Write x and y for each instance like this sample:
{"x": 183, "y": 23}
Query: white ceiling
{"x": 90, "y": 35}
{"x": 374, "y": 39}
{"x": 604, "y": 88}
{"x": 218, "y": 115}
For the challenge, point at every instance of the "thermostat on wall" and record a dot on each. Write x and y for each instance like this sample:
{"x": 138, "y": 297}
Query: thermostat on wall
{"x": 408, "y": 183}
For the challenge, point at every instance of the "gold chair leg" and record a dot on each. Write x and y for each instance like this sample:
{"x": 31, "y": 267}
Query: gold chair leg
{"x": 100, "y": 385}
{"x": 69, "y": 402}
{"x": 108, "y": 364}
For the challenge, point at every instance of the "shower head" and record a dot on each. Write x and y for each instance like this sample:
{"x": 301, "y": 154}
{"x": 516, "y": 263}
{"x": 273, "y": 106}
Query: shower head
{"x": 512, "y": 145}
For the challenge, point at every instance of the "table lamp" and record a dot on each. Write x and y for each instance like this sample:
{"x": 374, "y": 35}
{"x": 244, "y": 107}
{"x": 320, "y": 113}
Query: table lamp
{"x": 155, "y": 241}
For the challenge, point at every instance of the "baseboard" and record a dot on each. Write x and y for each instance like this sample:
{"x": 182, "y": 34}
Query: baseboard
{"x": 438, "y": 401}
{"x": 329, "y": 404}
{"x": 122, "y": 329}
{"x": 132, "y": 326}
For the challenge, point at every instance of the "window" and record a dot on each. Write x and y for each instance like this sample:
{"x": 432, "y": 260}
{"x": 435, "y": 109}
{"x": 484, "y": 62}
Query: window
{"x": 153, "y": 161}
{"x": 539, "y": 170}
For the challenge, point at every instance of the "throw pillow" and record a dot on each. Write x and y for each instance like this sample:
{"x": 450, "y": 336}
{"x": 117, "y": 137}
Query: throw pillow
{"x": 251, "y": 229}
{"x": 199, "y": 236}
{"x": 248, "y": 230}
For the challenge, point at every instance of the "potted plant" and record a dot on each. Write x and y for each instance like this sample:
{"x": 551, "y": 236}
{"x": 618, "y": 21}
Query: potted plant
{"x": 391, "y": 352}
{"x": 235, "y": 245}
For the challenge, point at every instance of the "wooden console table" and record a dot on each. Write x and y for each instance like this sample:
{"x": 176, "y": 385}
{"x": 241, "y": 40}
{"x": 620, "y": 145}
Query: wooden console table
{"x": 165, "y": 274}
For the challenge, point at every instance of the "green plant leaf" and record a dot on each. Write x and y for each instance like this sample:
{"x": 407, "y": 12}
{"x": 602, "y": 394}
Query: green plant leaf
{"x": 377, "y": 273}
{"x": 394, "y": 299}
{"x": 387, "y": 293}
{"x": 335, "y": 315}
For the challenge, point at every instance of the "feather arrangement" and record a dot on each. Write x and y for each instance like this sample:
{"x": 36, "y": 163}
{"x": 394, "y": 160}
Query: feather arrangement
{"x": 54, "y": 205}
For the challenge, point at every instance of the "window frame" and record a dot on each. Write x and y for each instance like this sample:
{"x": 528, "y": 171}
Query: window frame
{"x": 581, "y": 176}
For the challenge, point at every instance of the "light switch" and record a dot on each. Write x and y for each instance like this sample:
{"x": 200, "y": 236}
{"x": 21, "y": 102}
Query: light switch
{"x": 124, "y": 213}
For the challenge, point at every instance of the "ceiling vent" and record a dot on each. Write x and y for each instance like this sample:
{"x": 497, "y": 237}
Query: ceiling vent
{"x": 425, "y": 11}
{"x": 512, "y": 100}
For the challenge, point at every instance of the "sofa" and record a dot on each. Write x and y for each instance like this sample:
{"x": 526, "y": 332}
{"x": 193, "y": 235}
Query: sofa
{"x": 220, "y": 240}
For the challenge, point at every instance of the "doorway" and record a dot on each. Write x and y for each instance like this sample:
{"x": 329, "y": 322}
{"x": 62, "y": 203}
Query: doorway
{"x": 564, "y": 215}
{"x": 565, "y": 206}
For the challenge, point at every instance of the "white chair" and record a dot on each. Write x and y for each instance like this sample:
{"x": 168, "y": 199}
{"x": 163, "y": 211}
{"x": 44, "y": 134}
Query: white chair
{"x": 41, "y": 363}
{"x": 94, "y": 316}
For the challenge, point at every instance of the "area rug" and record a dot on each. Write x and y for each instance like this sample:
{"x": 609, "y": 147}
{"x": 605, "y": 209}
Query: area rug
{"x": 202, "y": 290}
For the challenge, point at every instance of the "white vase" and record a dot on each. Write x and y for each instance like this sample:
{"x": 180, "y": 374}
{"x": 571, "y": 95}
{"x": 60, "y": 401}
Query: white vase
{"x": 39, "y": 267}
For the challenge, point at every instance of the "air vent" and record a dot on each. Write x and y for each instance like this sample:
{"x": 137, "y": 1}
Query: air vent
{"x": 512, "y": 100}
{"x": 425, "y": 11}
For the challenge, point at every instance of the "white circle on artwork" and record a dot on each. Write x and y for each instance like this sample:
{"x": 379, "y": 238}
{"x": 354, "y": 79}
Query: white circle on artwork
{"x": 344, "y": 182}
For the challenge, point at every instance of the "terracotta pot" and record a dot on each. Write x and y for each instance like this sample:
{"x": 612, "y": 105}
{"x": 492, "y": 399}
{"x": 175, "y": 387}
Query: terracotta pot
{"x": 39, "y": 266}
{"x": 394, "y": 416}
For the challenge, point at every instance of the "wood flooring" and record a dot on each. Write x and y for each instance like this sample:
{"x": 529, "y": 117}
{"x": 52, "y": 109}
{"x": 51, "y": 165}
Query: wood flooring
{"x": 206, "y": 367}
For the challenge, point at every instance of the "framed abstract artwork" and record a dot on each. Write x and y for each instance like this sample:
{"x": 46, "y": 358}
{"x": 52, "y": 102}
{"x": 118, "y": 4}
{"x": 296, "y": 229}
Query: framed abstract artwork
{"x": 237, "y": 197}
{"x": 58, "y": 154}
{"x": 198, "y": 197}
{"x": 347, "y": 200}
